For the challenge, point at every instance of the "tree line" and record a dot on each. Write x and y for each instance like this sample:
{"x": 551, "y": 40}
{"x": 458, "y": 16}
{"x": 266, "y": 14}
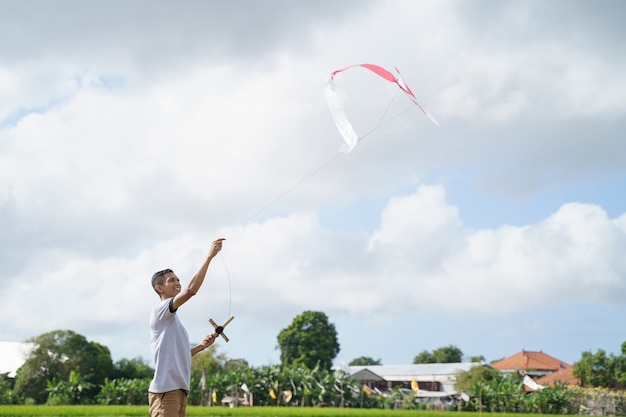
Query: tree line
{"x": 65, "y": 368}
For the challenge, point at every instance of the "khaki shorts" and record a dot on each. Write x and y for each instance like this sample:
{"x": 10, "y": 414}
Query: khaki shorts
{"x": 168, "y": 404}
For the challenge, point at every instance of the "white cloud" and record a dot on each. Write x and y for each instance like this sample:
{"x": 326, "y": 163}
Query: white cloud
{"x": 124, "y": 151}
{"x": 421, "y": 259}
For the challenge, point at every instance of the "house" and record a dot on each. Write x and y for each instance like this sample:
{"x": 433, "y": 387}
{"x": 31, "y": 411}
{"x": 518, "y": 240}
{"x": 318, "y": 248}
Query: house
{"x": 431, "y": 378}
{"x": 533, "y": 364}
{"x": 538, "y": 368}
{"x": 563, "y": 376}
{"x": 12, "y": 356}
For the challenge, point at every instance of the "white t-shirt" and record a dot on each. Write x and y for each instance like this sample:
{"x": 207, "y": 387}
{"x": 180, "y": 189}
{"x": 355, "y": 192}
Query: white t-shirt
{"x": 170, "y": 349}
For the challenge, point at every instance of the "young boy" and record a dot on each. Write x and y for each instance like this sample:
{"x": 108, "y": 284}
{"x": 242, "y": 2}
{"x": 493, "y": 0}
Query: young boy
{"x": 170, "y": 342}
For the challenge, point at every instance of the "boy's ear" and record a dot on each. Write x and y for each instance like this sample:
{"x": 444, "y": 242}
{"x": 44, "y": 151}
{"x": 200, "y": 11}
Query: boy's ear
{"x": 159, "y": 288}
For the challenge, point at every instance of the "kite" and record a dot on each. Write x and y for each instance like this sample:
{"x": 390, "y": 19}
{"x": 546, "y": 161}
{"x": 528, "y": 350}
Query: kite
{"x": 337, "y": 110}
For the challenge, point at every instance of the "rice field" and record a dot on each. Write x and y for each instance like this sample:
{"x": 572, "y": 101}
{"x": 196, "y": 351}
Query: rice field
{"x": 128, "y": 411}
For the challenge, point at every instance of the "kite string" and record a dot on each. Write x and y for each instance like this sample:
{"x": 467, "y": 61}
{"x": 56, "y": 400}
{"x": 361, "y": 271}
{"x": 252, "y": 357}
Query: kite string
{"x": 262, "y": 209}
{"x": 382, "y": 117}
{"x": 381, "y": 122}
{"x": 283, "y": 194}
{"x": 230, "y": 290}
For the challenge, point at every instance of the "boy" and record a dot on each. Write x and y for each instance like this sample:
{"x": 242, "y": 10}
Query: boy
{"x": 170, "y": 341}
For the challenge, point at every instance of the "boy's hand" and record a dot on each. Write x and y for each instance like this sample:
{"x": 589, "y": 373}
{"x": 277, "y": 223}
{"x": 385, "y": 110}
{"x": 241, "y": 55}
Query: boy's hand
{"x": 208, "y": 340}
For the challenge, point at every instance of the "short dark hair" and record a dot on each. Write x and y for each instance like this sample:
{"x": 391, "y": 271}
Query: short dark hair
{"x": 157, "y": 278}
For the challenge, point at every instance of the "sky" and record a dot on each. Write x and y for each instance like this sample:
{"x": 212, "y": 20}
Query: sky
{"x": 133, "y": 134}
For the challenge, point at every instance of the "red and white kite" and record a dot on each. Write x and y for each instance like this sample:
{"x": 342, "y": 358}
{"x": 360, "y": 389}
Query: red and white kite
{"x": 337, "y": 110}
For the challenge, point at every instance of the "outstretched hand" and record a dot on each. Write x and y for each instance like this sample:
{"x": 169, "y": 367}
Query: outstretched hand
{"x": 216, "y": 247}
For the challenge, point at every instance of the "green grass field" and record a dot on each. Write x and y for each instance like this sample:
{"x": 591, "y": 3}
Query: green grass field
{"x": 128, "y": 411}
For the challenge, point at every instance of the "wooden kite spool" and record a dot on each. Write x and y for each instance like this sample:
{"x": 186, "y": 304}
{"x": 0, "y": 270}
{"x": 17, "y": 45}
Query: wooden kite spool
{"x": 220, "y": 329}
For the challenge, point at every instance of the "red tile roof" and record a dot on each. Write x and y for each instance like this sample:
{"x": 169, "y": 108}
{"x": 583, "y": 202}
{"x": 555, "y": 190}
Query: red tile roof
{"x": 564, "y": 376}
{"x": 538, "y": 361}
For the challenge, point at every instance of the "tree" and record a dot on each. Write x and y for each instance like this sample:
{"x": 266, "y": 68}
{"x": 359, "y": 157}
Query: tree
{"x": 7, "y": 394}
{"x": 124, "y": 391}
{"x": 137, "y": 368}
{"x": 593, "y": 369}
{"x": 364, "y": 361}
{"x": 478, "y": 358}
{"x": 602, "y": 370}
{"x": 67, "y": 392}
{"x": 424, "y": 357}
{"x": 465, "y": 380}
{"x": 55, "y": 355}
{"x": 207, "y": 361}
{"x": 309, "y": 340}
{"x": 236, "y": 364}
{"x": 446, "y": 354}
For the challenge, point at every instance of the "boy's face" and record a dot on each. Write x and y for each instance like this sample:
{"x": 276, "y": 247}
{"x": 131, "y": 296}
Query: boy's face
{"x": 170, "y": 287}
